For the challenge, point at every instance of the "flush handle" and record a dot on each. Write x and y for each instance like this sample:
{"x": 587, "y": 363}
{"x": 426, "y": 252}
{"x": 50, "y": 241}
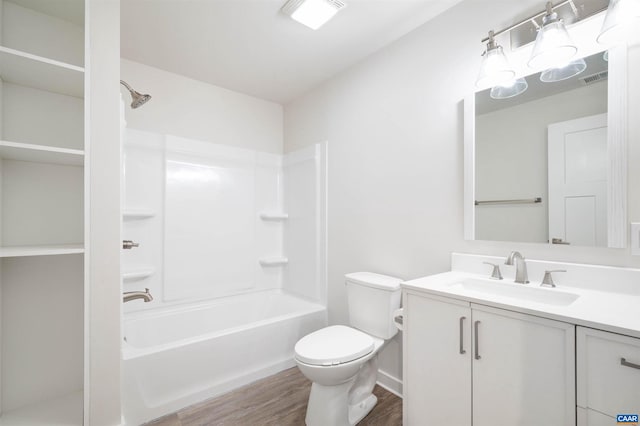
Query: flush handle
{"x": 398, "y": 318}
{"x": 128, "y": 244}
{"x": 462, "y": 351}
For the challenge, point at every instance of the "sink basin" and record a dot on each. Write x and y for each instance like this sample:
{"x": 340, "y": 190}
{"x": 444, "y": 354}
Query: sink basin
{"x": 522, "y": 292}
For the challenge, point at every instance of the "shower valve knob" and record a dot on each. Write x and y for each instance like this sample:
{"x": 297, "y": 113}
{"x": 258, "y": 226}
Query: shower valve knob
{"x": 128, "y": 244}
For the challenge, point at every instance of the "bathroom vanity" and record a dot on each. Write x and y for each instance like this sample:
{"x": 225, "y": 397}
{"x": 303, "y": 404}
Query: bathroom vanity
{"x": 484, "y": 351}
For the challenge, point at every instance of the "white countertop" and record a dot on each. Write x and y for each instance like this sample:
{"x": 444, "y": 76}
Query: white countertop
{"x": 617, "y": 312}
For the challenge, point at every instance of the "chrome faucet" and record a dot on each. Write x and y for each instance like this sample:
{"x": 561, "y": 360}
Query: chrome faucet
{"x": 521, "y": 267}
{"x": 133, "y": 295}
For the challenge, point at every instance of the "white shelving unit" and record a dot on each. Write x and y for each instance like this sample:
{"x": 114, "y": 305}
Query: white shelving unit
{"x": 64, "y": 410}
{"x": 44, "y": 250}
{"x": 42, "y": 156}
{"x": 25, "y": 69}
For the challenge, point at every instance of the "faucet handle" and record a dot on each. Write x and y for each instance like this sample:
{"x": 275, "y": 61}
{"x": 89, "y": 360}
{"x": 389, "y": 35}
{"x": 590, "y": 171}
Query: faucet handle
{"x": 547, "y": 280}
{"x": 495, "y": 274}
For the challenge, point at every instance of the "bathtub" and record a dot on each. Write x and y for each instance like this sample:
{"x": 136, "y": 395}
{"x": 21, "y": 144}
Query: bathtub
{"x": 182, "y": 355}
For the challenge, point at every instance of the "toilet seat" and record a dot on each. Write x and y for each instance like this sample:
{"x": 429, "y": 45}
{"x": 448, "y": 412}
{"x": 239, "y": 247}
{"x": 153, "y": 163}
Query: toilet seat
{"x": 333, "y": 345}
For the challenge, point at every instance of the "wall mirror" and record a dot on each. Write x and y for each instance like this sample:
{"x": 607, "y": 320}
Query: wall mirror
{"x": 549, "y": 165}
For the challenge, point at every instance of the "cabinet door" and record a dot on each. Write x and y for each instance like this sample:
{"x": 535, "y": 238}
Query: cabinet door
{"x": 608, "y": 372}
{"x": 588, "y": 417}
{"x": 437, "y": 368}
{"x": 523, "y": 370}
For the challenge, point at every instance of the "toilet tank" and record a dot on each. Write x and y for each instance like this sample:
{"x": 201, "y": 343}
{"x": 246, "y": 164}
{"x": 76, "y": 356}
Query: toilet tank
{"x": 372, "y": 300}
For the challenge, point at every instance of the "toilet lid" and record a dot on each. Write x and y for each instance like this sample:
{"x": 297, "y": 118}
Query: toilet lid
{"x": 333, "y": 345}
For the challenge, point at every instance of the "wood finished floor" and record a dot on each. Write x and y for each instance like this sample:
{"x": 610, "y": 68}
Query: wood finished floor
{"x": 279, "y": 400}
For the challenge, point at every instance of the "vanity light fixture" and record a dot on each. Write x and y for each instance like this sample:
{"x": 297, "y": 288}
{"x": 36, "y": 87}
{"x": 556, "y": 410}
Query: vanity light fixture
{"x": 510, "y": 89}
{"x": 553, "y": 44}
{"x": 622, "y": 18}
{"x": 312, "y": 13}
{"x": 495, "y": 68}
{"x": 569, "y": 70}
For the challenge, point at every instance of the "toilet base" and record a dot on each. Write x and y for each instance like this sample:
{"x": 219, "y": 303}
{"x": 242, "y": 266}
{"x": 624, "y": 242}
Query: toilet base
{"x": 344, "y": 404}
{"x": 359, "y": 411}
{"x": 328, "y": 406}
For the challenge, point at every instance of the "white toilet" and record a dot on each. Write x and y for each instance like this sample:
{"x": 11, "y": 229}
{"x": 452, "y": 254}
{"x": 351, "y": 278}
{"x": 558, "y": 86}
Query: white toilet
{"x": 342, "y": 361}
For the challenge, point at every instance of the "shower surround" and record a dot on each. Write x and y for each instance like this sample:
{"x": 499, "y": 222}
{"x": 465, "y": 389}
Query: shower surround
{"x": 233, "y": 250}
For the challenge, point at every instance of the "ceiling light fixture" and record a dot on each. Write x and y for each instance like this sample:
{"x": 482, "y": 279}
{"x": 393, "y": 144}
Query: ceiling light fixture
{"x": 569, "y": 70}
{"x": 495, "y": 68}
{"x": 553, "y": 44}
{"x": 622, "y": 18}
{"x": 312, "y": 13}
{"x": 509, "y": 89}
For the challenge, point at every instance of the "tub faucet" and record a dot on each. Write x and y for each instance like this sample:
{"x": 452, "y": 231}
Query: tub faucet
{"x": 521, "y": 267}
{"x": 133, "y": 295}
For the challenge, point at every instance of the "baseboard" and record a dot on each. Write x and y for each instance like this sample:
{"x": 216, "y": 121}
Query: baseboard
{"x": 390, "y": 383}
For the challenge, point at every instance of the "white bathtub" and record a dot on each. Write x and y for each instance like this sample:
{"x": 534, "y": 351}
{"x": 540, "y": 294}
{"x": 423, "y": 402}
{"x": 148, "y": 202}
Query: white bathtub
{"x": 182, "y": 355}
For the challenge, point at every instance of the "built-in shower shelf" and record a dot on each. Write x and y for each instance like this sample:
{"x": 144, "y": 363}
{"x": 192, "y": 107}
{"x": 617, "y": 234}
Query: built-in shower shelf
{"x": 41, "y": 250}
{"x": 135, "y": 214}
{"x": 274, "y": 261}
{"x": 274, "y": 216}
{"x": 42, "y": 73}
{"x": 138, "y": 274}
{"x": 40, "y": 153}
{"x": 65, "y": 410}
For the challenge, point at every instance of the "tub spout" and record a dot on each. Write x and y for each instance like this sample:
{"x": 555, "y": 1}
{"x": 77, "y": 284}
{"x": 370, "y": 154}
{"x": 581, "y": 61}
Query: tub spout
{"x": 133, "y": 295}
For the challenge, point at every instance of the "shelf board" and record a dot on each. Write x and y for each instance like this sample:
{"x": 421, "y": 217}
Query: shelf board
{"x": 138, "y": 274}
{"x": 273, "y": 261}
{"x": 41, "y": 73}
{"x": 41, "y": 250}
{"x": 63, "y": 411}
{"x": 68, "y": 10}
{"x": 134, "y": 214}
{"x": 40, "y": 153}
{"x": 274, "y": 216}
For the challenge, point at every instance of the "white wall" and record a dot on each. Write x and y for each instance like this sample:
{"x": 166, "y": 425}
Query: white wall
{"x": 511, "y": 161}
{"x": 394, "y": 126}
{"x": 188, "y": 108}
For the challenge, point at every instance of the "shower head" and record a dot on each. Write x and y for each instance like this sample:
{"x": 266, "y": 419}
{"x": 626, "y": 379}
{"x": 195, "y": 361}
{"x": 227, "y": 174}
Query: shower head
{"x": 137, "y": 98}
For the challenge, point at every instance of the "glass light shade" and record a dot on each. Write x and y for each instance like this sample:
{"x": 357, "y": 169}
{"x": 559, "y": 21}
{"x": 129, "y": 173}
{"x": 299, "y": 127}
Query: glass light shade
{"x": 510, "y": 89}
{"x": 553, "y": 46}
{"x": 572, "y": 69}
{"x": 495, "y": 69}
{"x": 621, "y": 21}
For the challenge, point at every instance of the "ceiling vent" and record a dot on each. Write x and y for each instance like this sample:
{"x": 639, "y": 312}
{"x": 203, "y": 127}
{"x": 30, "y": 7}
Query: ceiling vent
{"x": 312, "y": 13}
{"x": 594, "y": 78}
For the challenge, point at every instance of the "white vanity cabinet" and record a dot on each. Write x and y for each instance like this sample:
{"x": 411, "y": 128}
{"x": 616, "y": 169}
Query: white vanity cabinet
{"x": 472, "y": 364}
{"x": 608, "y": 376}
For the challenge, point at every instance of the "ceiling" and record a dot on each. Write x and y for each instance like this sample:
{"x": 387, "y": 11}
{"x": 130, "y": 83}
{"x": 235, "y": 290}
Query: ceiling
{"x": 250, "y": 47}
